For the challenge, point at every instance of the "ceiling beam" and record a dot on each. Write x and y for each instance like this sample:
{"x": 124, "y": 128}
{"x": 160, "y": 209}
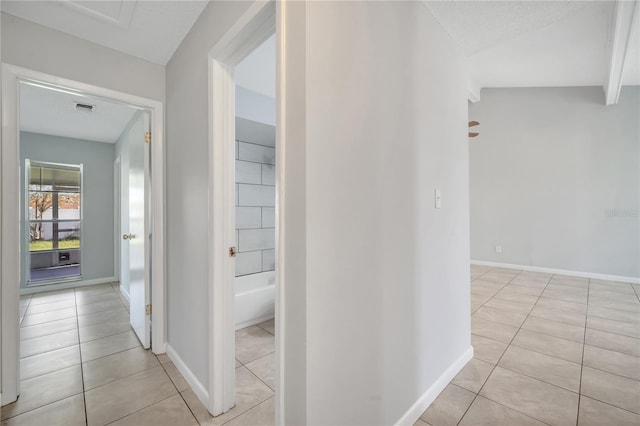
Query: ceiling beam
{"x": 474, "y": 92}
{"x": 620, "y": 33}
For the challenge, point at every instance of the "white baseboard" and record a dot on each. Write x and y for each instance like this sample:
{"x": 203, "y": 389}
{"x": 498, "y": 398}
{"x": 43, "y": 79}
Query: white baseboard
{"x": 197, "y": 387}
{"x": 618, "y": 278}
{"x": 413, "y": 414}
{"x": 66, "y": 285}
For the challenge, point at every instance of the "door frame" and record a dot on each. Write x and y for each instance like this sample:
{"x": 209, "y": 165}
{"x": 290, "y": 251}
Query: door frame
{"x": 117, "y": 203}
{"x": 255, "y": 26}
{"x": 10, "y": 204}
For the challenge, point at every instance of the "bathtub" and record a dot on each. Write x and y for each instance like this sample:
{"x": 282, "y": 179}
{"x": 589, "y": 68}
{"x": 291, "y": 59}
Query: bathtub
{"x": 255, "y": 298}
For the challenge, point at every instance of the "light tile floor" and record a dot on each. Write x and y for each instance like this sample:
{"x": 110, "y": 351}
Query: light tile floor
{"x": 81, "y": 364}
{"x": 549, "y": 349}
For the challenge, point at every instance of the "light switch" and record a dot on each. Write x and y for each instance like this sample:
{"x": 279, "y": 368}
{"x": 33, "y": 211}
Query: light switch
{"x": 438, "y": 199}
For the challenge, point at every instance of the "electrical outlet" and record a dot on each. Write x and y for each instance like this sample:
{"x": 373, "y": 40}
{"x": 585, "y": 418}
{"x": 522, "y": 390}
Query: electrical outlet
{"x": 498, "y": 249}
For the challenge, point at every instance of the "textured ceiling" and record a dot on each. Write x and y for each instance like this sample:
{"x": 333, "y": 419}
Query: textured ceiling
{"x": 477, "y": 25}
{"x": 53, "y": 112}
{"x": 535, "y": 43}
{"x": 571, "y": 52}
{"x": 150, "y": 30}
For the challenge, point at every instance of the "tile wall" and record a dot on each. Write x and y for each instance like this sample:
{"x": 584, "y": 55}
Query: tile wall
{"x": 255, "y": 197}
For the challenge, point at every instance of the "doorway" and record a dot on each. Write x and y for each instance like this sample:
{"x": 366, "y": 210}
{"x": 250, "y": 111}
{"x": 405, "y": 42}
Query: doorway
{"x": 247, "y": 301}
{"x": 86, "y": 97}
{"x": 255, "y": 227}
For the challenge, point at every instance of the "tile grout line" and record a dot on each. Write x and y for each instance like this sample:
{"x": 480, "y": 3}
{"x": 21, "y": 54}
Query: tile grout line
{"x": 144, "y": 408}
{"x": 549, "y": 355}
{"x": 61, "y": 309}
{"x": 257, "y": 405}
{"x": 50, "y": 310}
{"x": 78, "y": 344}
{"x": 616, "y": 351}
{"x": 636, "y": 292}
{"x": 50, "y": 350}
{"x": 26, "y": 309}
{"x": 105, "y": 336}
{"x": 84, "y": 396}
{"x": 40, "y": 375}
{"x": 542, "y": 353}
{"x": 53, "y": 371}
{"x": 186, "y": 403}
{"x": 273, "y": 334}
{"x": 80, "y": 363}
{"x": 495, "y": 402}
{"x": 258, "y": 377}
{"x": 505, "y": 350}
{"x": 481, "y": 305}
{"x": 555, "y": 385}
{"x": 493, "y": 295}
{"x": 583, "y": 347}
{"x": 615, "y": 320}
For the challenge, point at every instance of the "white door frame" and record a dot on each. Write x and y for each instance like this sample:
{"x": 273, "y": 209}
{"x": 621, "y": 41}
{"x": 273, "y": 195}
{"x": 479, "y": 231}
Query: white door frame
{"x": 117, "y": 203}
{"x": 10, "y": 205}
{"x": 255, "y": 26}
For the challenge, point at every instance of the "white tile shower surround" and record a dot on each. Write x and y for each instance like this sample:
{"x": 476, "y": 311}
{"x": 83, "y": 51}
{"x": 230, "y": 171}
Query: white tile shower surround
{"x": 549, "y": 349}
{"x": 539, "y": 359}
{"x": 255, "y": 197}
{"x": 81, "y": 364}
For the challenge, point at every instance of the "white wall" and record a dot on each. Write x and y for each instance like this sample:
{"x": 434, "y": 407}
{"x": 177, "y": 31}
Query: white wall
{"x": 187, "y": 175}
{"x": 555, "y": 179}
{"x": 97, "y": 192}
{"x": 39, "y": 48}
{"x": 35, "y": 47}
{"x": 257, "y": 71}
{"x": 372, "y": 270}
{"x": 254, "y": 106}
{"x": 387, "y": 273}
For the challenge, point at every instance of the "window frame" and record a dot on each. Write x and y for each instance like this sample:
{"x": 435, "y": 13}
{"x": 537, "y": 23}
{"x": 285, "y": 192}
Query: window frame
{"x": 55, "y": 237}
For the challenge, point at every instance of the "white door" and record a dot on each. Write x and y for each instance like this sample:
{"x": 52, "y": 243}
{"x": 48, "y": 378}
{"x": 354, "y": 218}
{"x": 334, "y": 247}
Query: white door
{"x": 138, "y": 227}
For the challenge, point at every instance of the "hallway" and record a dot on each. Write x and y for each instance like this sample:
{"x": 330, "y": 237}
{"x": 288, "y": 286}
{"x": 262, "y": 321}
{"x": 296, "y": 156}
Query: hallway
{"x": 81, "y": 364}
{"x": 549, "y": 349}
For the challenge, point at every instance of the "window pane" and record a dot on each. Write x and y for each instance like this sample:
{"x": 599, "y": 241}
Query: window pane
{"x": 40, "y": 236}
{"x": 68, "y": 205}
{"x": 40, "y": 205}
{"x": 68, "y": 235}
{"x": 66, "y": 178}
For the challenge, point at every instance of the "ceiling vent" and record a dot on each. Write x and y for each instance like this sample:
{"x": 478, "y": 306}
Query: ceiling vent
{"x": 84, "y": 107}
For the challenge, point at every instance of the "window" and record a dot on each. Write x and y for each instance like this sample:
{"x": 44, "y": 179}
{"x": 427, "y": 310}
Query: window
{"x": 54, "y": 219}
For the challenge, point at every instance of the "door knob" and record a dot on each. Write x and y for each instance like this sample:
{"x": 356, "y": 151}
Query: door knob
{"x": 128, "y": 236}
{"x": 232, "y": 252}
